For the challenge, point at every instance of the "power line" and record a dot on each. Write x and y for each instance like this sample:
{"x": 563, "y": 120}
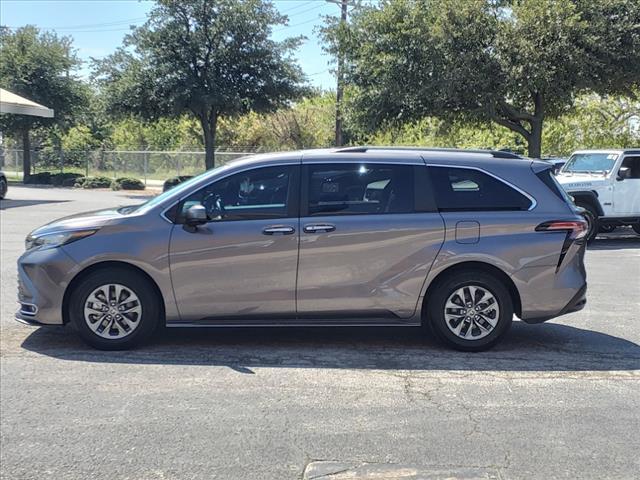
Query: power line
{"x": 298, "y": 6}
{"x": 318, "y": 73}
{"x": 90, "y": 25}
{"x": 315, "y": 7}
{"x": 315, "y": 19}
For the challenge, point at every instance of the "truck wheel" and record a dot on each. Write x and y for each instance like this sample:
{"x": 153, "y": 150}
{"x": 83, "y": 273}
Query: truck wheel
{"x": 3, "y": 188}
{"x": 636, "y": 228}
{"x": 591, "y": 216}
{"x": 607, "y": 228}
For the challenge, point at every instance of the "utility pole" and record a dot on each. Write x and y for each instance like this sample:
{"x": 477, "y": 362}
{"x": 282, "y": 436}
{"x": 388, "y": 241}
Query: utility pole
{"x": 340, "y": 74}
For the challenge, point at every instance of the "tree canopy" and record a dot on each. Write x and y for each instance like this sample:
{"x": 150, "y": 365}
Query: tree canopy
{"x": 512, "y": 62}
{"x": 210, "y": 58}
{"x": 40, "y": 67}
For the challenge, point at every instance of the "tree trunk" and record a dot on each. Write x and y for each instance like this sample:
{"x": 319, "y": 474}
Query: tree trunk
{"x": 535, "y": 138}
{"x": 209, "y": 124}
{"x": 26, "y": 156}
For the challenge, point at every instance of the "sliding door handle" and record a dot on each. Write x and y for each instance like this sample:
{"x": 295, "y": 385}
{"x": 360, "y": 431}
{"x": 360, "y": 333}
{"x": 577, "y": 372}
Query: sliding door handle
{"x": 278, "y": 230}
{"x": 319, "y": 228}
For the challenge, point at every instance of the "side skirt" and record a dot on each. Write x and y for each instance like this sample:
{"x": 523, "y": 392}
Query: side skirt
{"x": 299, "y": 322}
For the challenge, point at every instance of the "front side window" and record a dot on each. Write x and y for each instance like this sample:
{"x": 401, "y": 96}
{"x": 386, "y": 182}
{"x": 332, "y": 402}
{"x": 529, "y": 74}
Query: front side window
{"x": 464, "y": 189}
{"x": 254, "y": 194}
{"x": 591, "y": 162}
{"x": 633, "y": 164}
{"x": 360, "y": 189}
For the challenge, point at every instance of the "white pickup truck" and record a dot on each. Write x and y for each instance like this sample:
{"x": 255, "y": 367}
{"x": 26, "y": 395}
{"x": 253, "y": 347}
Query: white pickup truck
{"x": 606, "y": 183}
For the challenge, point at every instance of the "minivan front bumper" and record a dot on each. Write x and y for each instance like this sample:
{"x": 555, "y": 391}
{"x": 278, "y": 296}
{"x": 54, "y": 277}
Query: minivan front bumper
{"x": 43, "y": 276}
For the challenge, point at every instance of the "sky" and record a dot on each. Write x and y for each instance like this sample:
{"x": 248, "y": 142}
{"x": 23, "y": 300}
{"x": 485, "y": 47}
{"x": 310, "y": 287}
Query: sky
{"x": 98, "y": 26}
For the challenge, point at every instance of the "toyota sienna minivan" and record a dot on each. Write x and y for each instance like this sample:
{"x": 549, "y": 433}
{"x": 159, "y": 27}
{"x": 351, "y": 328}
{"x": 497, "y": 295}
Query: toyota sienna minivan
{"x": 453, "y": 239}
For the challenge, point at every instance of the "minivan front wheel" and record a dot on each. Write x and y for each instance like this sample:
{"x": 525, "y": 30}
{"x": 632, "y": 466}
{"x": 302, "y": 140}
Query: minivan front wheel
{"x": 114, "y": 309}
{"x": 470, "y": 310}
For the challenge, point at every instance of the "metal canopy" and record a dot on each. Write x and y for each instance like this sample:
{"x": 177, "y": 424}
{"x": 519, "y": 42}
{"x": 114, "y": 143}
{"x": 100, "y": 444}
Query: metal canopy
{"x": 12, "y": 103}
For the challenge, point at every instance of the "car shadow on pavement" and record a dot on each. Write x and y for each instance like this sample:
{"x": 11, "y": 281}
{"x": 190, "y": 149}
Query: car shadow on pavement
{"x": 619, "y": 243}
{"x": 620, "y": 239}
{"x": 549, "y": 347}
{"x": 7, "y": 203}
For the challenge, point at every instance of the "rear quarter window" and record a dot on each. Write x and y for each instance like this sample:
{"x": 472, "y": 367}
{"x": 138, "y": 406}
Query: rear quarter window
{"x": 465, "y": 189}
{"x": 547, "y": 177}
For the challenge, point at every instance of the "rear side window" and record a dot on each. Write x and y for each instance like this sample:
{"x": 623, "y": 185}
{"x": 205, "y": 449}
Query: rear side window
{"x": 465, "y": 189}
{"x": 550, "y": 181}
{"x": 360, "y": 189}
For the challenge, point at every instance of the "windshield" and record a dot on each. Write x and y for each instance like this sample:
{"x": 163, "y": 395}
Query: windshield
{"x": 177, "y": 190}
{"x": 591, "y": 162}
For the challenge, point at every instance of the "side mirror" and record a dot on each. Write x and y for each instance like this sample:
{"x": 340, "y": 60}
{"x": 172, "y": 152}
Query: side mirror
{"x": 196, "y": 215}
{"x": 624, "y": 172}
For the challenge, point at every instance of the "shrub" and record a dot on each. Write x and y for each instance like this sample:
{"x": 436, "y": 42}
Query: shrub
{"x": 71, "y": 181}
{"x": 94, "y": 182}
{"x": 173, "y": 181}
{"x": 41, "y": 178}
{"x": 127, "y": 183}
{"x": 65, "y": 179}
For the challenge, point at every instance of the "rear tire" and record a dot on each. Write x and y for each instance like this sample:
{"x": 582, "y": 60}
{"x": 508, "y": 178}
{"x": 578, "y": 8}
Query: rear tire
{"x": 114, "y": 308}
{"x": 484, "y": 327}
{"x": 591, "y": 216}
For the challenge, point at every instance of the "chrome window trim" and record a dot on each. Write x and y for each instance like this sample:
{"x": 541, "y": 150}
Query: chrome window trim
{"x": 534, "y": 202}
{"x": 228, "y": 174}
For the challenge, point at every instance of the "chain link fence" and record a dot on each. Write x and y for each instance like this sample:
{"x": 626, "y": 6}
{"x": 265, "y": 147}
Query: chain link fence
{"x": 152, "y": 167}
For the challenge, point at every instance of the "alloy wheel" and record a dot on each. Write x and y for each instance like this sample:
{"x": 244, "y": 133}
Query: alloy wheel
{"x": 112, "y": 311}
{"x": 471, "y": 312}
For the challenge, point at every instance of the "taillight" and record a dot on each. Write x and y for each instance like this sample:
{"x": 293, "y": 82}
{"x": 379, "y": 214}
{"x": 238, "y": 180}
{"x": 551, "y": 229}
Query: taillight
{"x": 573, "y": 229}
{"x": 576, "y": 229}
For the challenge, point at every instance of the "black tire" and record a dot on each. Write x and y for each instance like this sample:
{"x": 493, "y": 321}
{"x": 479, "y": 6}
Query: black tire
{"x": 636, "y": 228}
{"x": 137, "y": 283}
{"x": 607, "y": 228}
{"x": 591, "y": 216}
{"x": 459, "y": 279}
{"x": 3, "y": 188}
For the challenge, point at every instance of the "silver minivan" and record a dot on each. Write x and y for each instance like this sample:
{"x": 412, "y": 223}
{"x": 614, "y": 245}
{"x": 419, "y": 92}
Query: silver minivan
{"x": 453, "y": 239}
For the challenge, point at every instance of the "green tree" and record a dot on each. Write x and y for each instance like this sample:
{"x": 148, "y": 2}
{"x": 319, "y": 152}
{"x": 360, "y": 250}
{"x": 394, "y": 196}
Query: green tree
{"x": 210, "y": 58}
{"x": 512, "y": 62}
{"x": 39, "y": 66}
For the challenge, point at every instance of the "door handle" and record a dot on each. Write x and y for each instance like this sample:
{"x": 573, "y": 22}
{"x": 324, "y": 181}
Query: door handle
{"x": 278, "y": 230}
{"x": 319, "y": 228}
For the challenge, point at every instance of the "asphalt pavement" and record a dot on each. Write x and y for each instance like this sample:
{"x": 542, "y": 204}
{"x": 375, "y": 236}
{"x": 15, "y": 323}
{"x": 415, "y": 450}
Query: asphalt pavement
{"x": 557, "y": 400}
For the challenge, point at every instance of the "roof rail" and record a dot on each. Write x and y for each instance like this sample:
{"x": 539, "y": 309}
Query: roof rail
{"x": 493, "y": 153}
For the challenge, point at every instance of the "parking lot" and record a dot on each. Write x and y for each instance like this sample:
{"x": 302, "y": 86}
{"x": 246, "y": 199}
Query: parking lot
{"x": 557, "y": 400}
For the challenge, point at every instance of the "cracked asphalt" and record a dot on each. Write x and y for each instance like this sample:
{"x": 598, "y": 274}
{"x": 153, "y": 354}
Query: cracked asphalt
{"x": 558, "y": 400}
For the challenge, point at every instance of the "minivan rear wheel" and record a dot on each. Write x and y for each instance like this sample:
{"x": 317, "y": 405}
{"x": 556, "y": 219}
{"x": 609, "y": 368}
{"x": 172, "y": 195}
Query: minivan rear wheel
{"x": 470, "y": 310}
{"x": 114, "y": 308}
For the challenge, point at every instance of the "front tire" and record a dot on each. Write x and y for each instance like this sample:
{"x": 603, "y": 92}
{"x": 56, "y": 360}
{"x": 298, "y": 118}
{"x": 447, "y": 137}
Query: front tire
{"x": 470, "y": 310}
{"x": 114, "y": 308}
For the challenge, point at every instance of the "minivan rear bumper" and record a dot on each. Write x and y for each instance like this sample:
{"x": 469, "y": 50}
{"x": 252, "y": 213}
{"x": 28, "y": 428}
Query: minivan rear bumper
{"x": 577, "y": 303}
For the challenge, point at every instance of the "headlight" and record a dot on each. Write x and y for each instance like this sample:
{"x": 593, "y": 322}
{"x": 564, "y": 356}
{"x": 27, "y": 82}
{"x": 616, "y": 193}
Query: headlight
{"x": 56, "y": 239}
